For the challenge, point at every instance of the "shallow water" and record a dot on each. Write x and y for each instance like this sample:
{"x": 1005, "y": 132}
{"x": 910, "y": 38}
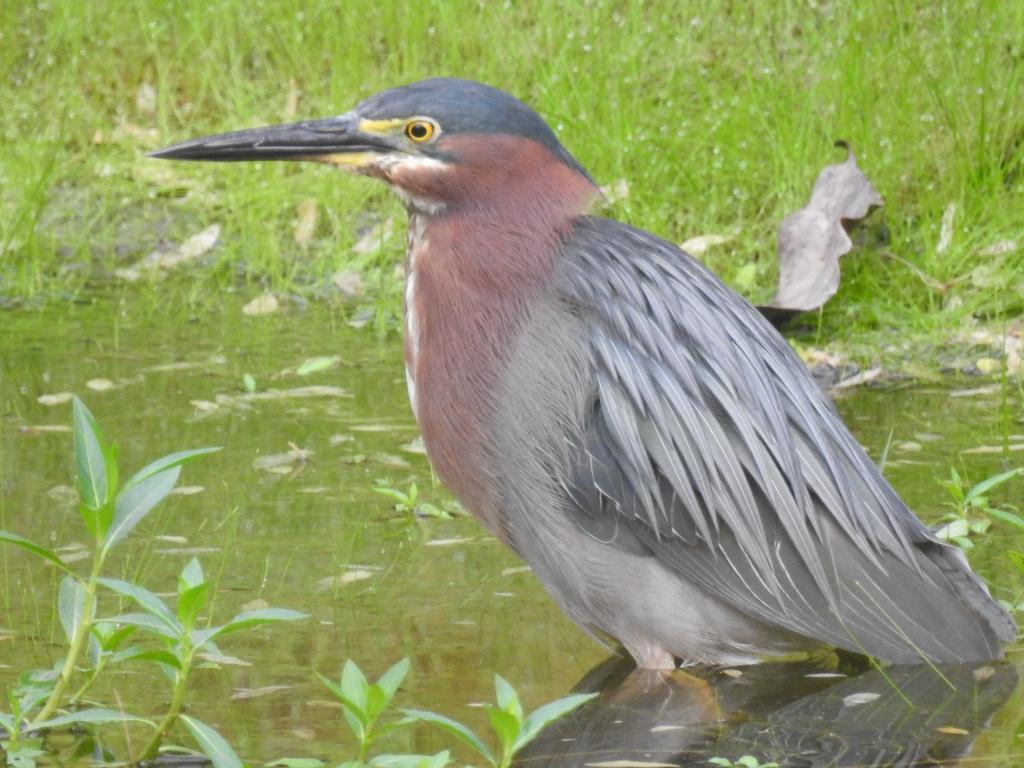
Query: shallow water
{"x": 379, "y": 585}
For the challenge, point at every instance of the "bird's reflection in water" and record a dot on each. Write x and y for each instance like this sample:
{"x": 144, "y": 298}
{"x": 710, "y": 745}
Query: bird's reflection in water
{"x": 795, "y": 714}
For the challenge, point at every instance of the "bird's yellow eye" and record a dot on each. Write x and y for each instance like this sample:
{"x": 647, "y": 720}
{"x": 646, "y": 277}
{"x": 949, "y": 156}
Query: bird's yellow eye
{"x": 420, "y": 130}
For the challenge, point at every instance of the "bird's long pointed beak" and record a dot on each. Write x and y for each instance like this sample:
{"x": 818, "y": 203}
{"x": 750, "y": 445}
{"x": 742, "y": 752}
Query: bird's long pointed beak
{"x": 336, "y": 140}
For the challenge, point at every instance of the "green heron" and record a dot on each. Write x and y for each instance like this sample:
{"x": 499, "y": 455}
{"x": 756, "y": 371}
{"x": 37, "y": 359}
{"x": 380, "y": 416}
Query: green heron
{"x": 636, "y": 431}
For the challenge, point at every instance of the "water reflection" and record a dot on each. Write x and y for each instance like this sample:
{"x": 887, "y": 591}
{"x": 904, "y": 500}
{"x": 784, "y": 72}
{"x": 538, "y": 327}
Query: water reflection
{"x": 797, "y": 714}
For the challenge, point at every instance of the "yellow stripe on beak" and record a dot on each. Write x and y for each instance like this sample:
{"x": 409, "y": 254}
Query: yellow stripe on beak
{"x": 381, "y": 127}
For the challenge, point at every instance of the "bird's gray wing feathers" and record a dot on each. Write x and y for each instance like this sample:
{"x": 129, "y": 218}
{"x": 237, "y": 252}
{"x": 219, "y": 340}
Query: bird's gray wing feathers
{"x": 706, "y": 434}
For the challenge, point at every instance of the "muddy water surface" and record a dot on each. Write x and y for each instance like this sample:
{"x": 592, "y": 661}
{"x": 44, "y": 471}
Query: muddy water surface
{"x": 286, "y": 515}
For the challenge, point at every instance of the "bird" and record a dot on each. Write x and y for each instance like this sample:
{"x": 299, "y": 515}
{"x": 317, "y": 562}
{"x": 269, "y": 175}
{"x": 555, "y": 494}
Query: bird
{"x": 630, "y": 426}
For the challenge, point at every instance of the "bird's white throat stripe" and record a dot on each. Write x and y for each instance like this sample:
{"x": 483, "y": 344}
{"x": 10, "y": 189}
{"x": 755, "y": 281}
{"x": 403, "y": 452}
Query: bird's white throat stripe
{"x": 417, "y": 243}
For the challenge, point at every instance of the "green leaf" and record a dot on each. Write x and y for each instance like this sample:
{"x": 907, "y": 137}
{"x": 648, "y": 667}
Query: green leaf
{"x": 146, "y": 600}
{"x": 192, "y": 592}
{"x": 507, "y": 698}
{"x": 1017, "y": 558}
{"x": 191, "y": 603}
{"x": 249, "y": 385}
{"x": 746, "y": 276}
{"x": 71, "y": 605}
{"x": 249, "y": 619}
{"x": 541, "y": 717}
{"x": 317, "y": 364}
{"x": 191, "y": 575}
{"x": 506, "y": 726}
{"x": 354, "y": 684}
{"x": 110, "y": 635}
{"x": 136, "y": 501}
{"x": 990, "y": 483}
{"x": 394, "y": 493}
{"x": 454, "y": 728}
{"x": 954, "y": 530}
{"x": 392, "y": 680}
{"x": 90, "y": 461}
{"x": 212, "y": 744}
{"x": 43, "y": 552}
{"x": 376, "y": 702}
{"x": 91, "y": 716}
{"x": 296, "y": 762}
{"x": 7, "y": 722}
{"x": 723, "y": 762}
{"x": 439, "y": 760}
{"x": 147, "y": 622}
{"x": 168, "y": 461}
{"x": 346, "y": 702}
{"x": 137, "y": 653}
{"x": 1007, "y": 517}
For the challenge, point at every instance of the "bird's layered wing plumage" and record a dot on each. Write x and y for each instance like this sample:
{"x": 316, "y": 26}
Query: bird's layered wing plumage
{"x": 707, "y": 443}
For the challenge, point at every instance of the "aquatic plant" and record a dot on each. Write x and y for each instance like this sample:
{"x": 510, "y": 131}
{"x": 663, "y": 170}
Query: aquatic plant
{"x": 972, "y": 511}
{"x": 408, "y": 501}
{"x": 179, "y": 639}
{"x": 747, "y": 761}
{"x": 109, "y": 515}
{"x": 367, "y": 705}
{"x": 513, "y": 729}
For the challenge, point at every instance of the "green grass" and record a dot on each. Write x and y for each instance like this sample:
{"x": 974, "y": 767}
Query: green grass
{"x": 719, "y": 115}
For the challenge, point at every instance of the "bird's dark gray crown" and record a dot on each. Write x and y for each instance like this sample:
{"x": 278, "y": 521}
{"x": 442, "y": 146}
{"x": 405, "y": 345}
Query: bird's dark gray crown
{"x": 465, "y": 106}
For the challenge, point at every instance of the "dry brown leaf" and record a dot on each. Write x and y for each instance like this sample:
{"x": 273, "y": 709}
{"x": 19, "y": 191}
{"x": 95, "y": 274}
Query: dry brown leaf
{"x": 946, "y": 229}
{"x": 266, "y": 304}
{"x": 414, "y": 446}
{"x": 253, "y": 693}
{"x": 376, "y": 237}
{"x": 615, "y": 192}
{"x": 291, "y": 102}
{"x": 856, "y": 699}
{"x": 1000, "y": 248}
{"x": 449, "y": 542}
{"x": 348, "y": 282}
{"x": 812, "y": 239}
{"x": 952, "y": 730}
{"x": 343, "y": 579}
{"x": 57, "y": 398}
{"x": 188, "y": 490}
{"x": 305, "y": 222}
{"x": 231, "y": 661}
{"x": 696, "y": 246}
{"x": 42, "y": 429}
{"x": 858, "y": 379}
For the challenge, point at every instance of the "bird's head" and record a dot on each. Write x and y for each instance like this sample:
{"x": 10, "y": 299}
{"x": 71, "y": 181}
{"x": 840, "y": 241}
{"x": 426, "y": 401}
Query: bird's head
{"x": 442, "y": 143}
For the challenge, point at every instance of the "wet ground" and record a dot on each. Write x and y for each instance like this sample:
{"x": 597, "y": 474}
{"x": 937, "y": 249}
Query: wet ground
{"x": 287, "y": 514}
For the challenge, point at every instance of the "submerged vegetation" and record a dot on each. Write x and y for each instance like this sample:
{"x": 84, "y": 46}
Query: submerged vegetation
{"x": 704, "y": 120}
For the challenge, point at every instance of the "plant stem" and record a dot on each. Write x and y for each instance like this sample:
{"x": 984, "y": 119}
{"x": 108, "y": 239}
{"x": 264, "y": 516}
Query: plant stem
{"x": 77, "y": 695}
{"x": 177, "y": 702}
{"x": 76, "y": 646}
